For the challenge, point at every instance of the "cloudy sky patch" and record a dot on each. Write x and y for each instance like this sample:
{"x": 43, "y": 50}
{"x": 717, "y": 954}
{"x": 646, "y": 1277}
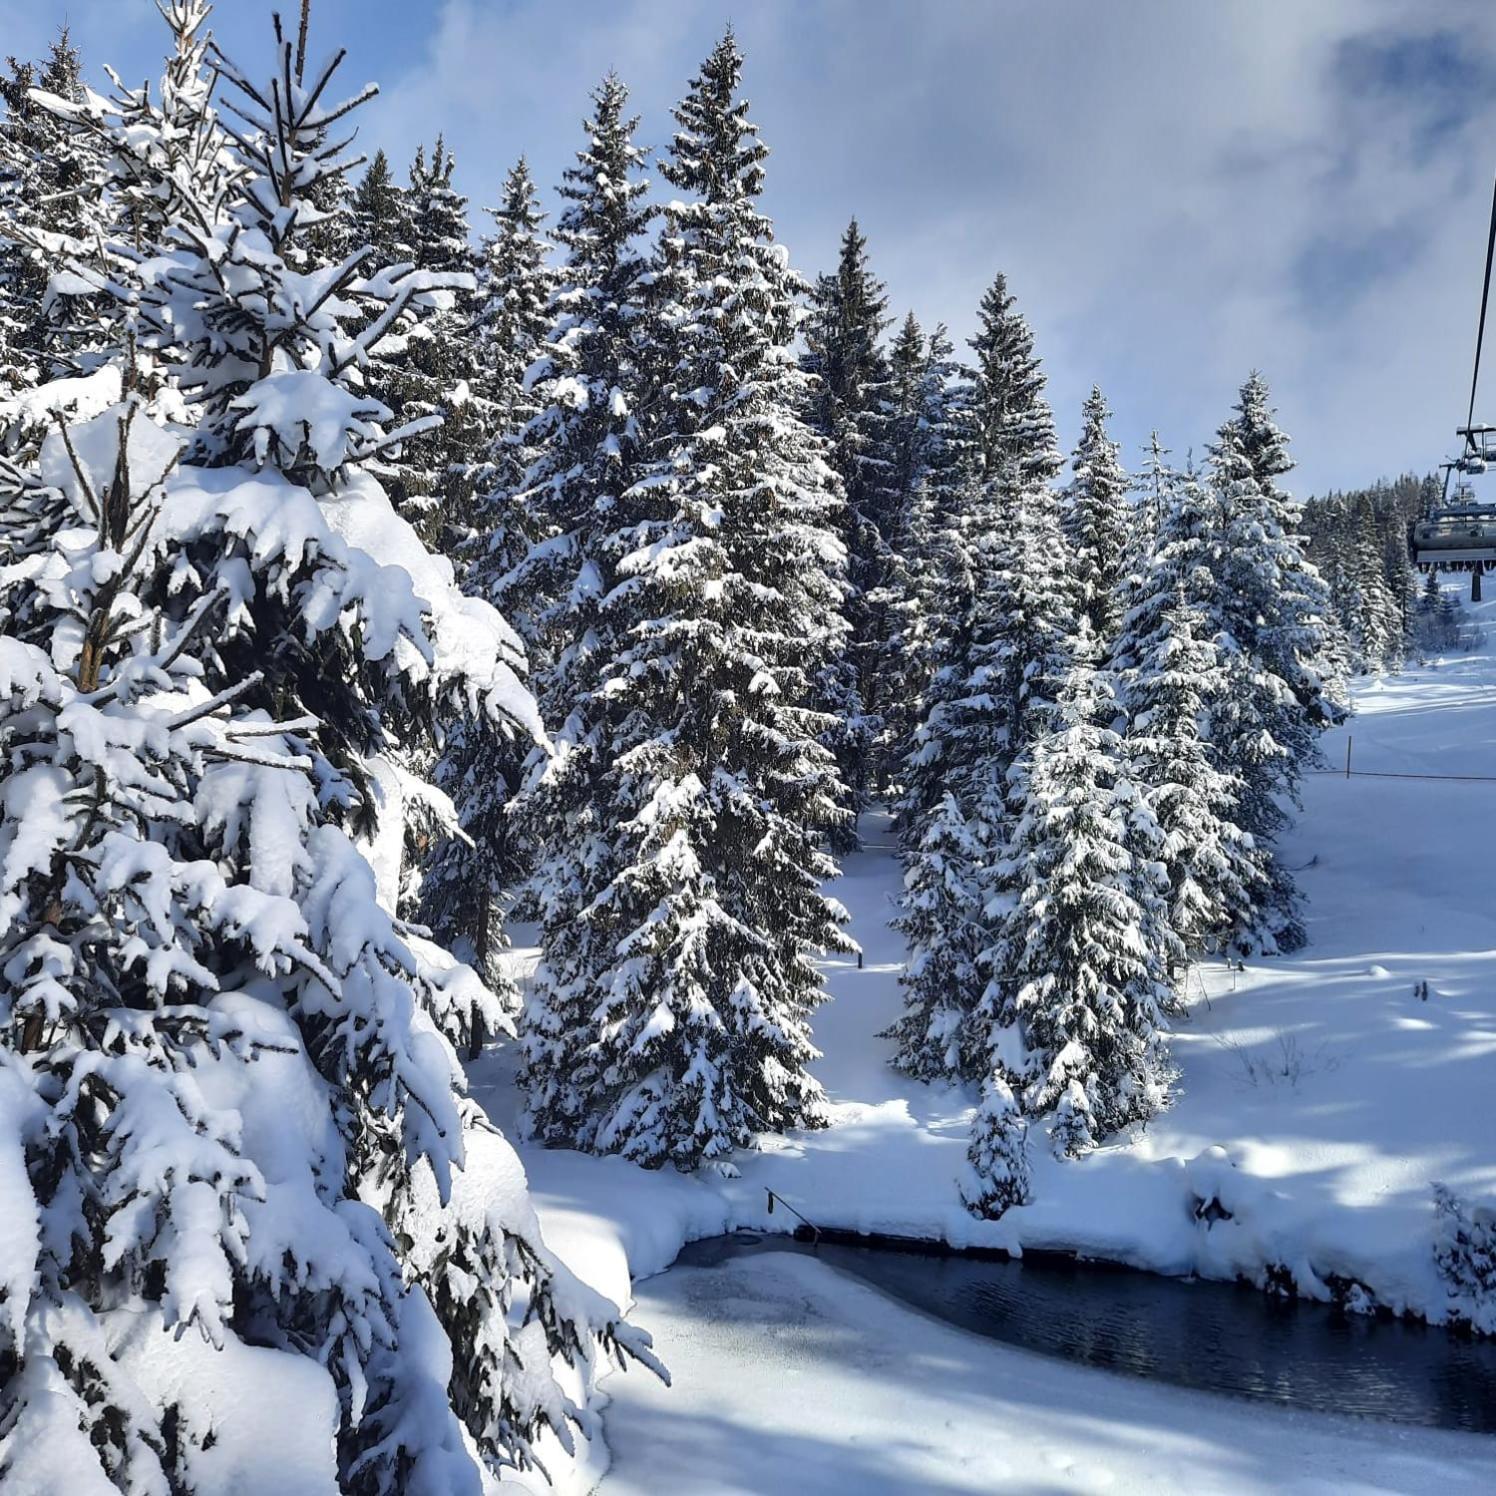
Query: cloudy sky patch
{"x": 1178, "y": 192}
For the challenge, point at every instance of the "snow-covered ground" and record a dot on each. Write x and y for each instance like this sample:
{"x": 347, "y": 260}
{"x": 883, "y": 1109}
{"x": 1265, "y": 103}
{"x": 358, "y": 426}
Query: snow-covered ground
{"x": 1319, "y": 1095}
{"x": 793, "y": 1378}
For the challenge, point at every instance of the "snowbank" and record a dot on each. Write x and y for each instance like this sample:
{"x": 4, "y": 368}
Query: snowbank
{"x": 790, "y": 1376}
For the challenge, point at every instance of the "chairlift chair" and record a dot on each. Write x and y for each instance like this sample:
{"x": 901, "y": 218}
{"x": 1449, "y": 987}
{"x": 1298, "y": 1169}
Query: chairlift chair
{"x": 1459, "y": 533}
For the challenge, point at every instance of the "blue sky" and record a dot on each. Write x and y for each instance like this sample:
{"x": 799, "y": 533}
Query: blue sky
{"x": 1177, "y": 191}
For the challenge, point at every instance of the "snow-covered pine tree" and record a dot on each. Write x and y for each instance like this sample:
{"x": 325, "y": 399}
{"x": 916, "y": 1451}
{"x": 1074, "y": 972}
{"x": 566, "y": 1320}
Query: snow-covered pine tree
{"x": 1098, "y": 521}
{"x": 942, "y": 919}
{"x": 235, "y": 1139}
{"x": 380, "y": 213}
{"x": 514, "y": 320}
{"x": 999, "y": 501}
{"x": 585, "y": 438}
{"x": 670, "y": 1024}
{"x": 1002, "y": 662}
{"x": 1273, "y": 607}
{"x": 424, "y": 365}
{"x": 52, "y": 202}
{"x": 1079, "y": 975}
{"x": 848, "y": 406}
{"x": 916, "y": 595}
{"x": 1174, "y": 679}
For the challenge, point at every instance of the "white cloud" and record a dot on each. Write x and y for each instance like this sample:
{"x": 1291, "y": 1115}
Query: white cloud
{"x": 1163, "y": 181}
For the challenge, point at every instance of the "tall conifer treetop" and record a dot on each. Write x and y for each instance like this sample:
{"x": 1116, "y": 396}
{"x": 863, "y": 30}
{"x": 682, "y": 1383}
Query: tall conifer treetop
{"x": 1098, "y": 520}
{"x": 1012, "y": 418}
{"x": 672, "y": 1025}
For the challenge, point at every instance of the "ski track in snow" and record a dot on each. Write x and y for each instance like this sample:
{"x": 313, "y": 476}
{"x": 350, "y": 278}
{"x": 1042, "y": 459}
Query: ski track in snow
{"x": 1335, "y": 1092}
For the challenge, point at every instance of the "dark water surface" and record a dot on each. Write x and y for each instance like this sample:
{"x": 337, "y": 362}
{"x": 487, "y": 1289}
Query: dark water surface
{"x": 1216, "y": 1337}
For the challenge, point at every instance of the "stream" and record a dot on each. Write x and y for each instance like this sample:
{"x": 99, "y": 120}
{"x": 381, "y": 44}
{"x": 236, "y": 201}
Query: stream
{"x": 1215, "y": 1337}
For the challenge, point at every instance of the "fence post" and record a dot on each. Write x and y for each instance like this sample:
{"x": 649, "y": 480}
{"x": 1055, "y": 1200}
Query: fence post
{"x": 1348, "y": 741}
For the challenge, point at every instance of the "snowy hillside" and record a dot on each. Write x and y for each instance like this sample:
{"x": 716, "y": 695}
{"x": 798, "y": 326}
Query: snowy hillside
{"x": 1320, "y": 1097}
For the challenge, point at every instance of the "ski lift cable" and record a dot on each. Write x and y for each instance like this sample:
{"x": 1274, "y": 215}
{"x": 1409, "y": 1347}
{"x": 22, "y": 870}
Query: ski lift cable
{"x": 1480, "y": 336}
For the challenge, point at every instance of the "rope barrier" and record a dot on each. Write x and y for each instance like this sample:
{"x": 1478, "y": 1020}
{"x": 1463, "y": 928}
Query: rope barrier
{"x": 1380, "y": 774}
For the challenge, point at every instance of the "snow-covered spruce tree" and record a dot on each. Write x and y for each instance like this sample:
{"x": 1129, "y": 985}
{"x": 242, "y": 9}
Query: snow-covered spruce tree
{"x": 584, "y": 437}
{"x": 184, "y": 142}
{"x": 424, "y": 364}
{"x": 235, "y": 1140}
{"x": 996, "y": 1175}
{"x": 1006, "y": 447}
{"x": 1173, "y": 681}
{"x": 1273, "y": 608}
{"x": 849, "y": 407}
{"x": 1079, "y": 974}
{"x": 911, "y": 446}
{"x": 924, "y": 577}
{"x": 1361, "y": 537}
{"x": 379, "y": 213}
{"x": 1153, "y": 485}
{"x": 1028, "y": 651}
{"x": 52, "y": 203}
{"x": 1465, "y": 1256}
{"x": 587, "y": 386}
{"x": 670, "y": 1019}
{"x": 1401, "y": 580}
{"x": 380, "y": 218}
{"x": 1437, "y": 624}
{"x": 423, "y": 370}
{"x": 514, "y": 320}
{"x": 1006, "y": 652}
{"x": 1021, "y": 652}
{"x": 182, "y": 125}
{"x": 1171, "y": 624}
{"x": 1181, "y": 561}
{"x": 447, "y": 353}
{"x": 942, "y": 917}
{"x": 1378, "y": 624}
{"x": 1098, "y": 521}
